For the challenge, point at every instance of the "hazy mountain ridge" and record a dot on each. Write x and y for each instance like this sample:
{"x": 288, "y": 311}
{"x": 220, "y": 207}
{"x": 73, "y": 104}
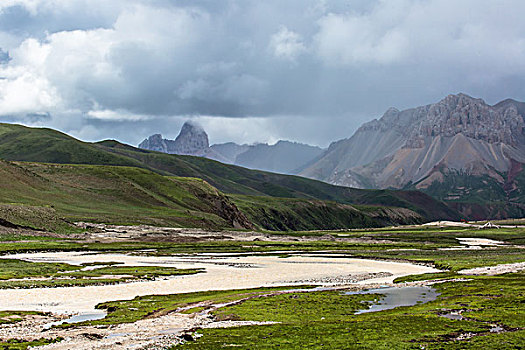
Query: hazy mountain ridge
{"x": 283, "y": 157}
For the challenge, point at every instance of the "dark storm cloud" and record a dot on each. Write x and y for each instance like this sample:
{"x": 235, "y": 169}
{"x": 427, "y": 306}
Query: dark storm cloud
{"x": 308, "y": 70}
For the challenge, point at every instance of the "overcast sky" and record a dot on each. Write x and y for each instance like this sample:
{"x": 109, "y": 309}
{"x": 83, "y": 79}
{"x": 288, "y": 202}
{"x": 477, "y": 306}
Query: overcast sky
{"x": 249, "y": 70}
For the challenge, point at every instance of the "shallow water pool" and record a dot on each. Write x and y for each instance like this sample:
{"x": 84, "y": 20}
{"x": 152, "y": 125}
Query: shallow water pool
{"x": 397, "y": 296}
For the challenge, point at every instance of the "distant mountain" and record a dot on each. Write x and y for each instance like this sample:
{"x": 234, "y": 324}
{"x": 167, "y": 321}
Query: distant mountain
{"x": 192, "y": 140}
{"x": 460, "y": 150}
{"x": 228, "y": 151}
{"x": 284, "y": 157}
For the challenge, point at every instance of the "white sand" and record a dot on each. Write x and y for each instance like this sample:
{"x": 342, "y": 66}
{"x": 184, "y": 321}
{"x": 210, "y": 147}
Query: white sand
{"x": 494, "y": 270}
{"x": 268, "y": 271}
{"x": 479, "y": 241}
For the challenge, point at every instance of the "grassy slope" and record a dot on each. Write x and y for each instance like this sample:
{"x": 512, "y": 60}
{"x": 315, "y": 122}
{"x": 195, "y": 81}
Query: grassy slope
{"x": 284, "y": 214}
{"x": 46, "y": 145}
{"x": 108, "y": 194}
{"x": 47, "y": 196}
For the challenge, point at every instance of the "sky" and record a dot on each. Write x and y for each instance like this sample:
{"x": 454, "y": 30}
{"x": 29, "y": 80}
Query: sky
{"x": 249, "y": 71}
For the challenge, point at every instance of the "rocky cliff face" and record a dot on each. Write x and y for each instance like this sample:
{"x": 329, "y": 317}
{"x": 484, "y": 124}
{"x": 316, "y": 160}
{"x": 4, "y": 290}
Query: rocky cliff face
{"x": 456, "y": 114}
{"x": 192, "y": 140}
{"x": 459, "y": 133}
{"x": 459, "y": 148}
{"x": 155, "y": 143}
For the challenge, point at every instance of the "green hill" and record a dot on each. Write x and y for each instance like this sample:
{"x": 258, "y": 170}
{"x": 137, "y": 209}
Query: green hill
{"x": 50, "y": 196}
{"x": 42, "y": 194}
{"x": 19, "y": 143}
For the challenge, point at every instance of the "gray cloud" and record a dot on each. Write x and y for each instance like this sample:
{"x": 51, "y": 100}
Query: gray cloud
{"x": 307, "y": 70}
{"x": 4, "y": 56}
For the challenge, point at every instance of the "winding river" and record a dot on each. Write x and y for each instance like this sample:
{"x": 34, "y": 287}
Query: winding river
{"x": 222, "y": 273}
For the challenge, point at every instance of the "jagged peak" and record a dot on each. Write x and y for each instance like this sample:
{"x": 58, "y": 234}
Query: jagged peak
{"x": 192, "y": 125}
{"x": 453, "y": 99}
{"x": 392, "y": 110}
{"x": 506, "y": 101}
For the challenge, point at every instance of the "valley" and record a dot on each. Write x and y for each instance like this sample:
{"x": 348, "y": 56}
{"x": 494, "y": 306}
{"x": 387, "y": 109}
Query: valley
{"x": 104, "y": 245}
{"x": 262, "y": 175}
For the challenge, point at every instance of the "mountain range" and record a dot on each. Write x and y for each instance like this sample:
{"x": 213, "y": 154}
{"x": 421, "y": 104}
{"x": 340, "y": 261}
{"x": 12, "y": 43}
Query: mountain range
{"x": 460, "y": 150}
{"x": 284, "y": 157}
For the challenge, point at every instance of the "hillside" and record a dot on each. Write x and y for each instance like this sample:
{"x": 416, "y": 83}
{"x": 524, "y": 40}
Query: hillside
{"x": 115, "y": 194}
{"x": 459, "y": 150}
{"x": 33, "y": 144}
{"x": 284, "y": 214}
{"x": 237, "y": 180}
{"x": 50, "y": 196}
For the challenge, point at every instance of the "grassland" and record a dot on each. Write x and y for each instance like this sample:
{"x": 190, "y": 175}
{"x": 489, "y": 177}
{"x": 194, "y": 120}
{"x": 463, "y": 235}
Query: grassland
{"x": 21, "y": 344}
{"x": 127, "y": 311}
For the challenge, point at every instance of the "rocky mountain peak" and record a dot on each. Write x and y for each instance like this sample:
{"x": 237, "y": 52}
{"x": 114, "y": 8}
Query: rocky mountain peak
{"x": 472, "y": 117}
{"x": 453, "y": 115}
{"x": 192, "y": 139}
{"x": 155, "y": 143}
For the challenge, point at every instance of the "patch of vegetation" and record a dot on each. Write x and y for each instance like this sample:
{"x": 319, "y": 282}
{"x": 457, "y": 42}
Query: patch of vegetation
{"x": 127, "y": 311}
{"x": 21, "y": 344}
{"x": 428, "y": 277}
{"x": 13, "y": 268}
{"x": 65, "y": 275}
{"x": 8, "y": 317}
